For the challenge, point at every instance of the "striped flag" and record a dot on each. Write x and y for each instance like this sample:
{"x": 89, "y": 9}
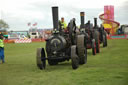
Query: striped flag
{"x": 34, "y": 24}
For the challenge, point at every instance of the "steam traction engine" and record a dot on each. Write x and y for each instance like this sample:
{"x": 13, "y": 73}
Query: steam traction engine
{"x": 91, "y": 36}
{"x": 62, "y": 46}
{"x": 103, "y": 35}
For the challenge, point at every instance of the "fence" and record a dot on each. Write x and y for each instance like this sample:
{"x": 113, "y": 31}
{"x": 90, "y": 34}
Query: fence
{"x": 117, "y": 36}
{"x": 23, "y": 40}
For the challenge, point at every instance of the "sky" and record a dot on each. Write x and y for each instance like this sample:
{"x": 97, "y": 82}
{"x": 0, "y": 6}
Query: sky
{"x": 18, "y": 13}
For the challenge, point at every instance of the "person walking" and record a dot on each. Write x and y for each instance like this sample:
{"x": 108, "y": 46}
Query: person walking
{"x": 1, "y": 49}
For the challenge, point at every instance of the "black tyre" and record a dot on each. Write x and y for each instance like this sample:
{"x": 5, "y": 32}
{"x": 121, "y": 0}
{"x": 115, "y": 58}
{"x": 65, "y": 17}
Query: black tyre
{"x": 97, "y": 40}
{"x": 81, "y": 49}
{"x": 105, "y": 39}
{"x": 93, "y": 47}
{"x": 74, "y": 58}
{"x": 41, "y": 62}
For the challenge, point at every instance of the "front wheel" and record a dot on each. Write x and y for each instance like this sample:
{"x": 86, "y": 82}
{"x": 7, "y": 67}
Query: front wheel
{"x": 40, "y": 57}
{"x": 74, "y": 58}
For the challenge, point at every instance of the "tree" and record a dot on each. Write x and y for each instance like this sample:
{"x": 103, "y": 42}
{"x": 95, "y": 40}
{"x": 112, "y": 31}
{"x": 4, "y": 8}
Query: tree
{"x": 3, "y": 24}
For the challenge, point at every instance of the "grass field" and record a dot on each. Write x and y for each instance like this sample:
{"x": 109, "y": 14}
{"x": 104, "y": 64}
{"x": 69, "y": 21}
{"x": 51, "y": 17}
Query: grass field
{"x": 110, "y": 67}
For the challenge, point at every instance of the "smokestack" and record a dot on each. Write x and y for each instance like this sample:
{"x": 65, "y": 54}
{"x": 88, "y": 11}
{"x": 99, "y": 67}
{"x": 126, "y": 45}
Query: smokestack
{"x": 82, "y": 19}
{"x": 95, "y": 22}
{"x": 55, "y": 17}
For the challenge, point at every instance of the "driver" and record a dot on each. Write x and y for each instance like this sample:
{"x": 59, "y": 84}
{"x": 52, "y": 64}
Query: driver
{"x": 63, "y": 24}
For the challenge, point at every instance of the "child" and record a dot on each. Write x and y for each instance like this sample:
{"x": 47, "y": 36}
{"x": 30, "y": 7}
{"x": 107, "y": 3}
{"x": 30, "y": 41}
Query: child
{"x": 1, "y": 48}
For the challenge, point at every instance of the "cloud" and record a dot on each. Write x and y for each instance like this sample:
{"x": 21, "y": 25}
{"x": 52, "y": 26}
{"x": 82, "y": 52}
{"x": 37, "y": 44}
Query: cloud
{"x": 121, "y": 13}
{"x": 66, "y": 11}
{"x": 17, "y": 13}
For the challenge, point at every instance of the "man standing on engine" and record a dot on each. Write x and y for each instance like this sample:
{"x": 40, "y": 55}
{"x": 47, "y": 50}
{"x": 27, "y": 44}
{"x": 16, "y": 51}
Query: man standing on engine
{"x": 63, "y": 24}
{"x": 1, "y": 48}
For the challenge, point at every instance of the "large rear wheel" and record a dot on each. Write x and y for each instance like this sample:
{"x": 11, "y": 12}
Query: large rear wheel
{"x": 81, "y": 49}
{"x": 72, "y": 31}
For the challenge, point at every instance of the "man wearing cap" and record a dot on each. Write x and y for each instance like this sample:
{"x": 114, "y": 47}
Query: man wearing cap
{"x": 1, "y": 48}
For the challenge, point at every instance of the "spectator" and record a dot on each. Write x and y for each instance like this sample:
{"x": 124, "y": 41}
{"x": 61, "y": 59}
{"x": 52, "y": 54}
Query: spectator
{"x": 1, "y": 48}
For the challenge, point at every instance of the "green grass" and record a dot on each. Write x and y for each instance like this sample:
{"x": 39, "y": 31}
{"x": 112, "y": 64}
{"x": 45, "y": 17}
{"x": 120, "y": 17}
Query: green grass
{"x": 110, "y": 67}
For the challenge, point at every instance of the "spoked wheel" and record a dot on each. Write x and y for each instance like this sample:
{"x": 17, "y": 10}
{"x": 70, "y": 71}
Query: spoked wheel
{"x": 81, "y": 49}
{"x": 105, "y": 39}
{"x": 74, "y": 58}
{"x": 93, "y": 47}
{"x": 97, "y": 40}
{"x": 40, "y": 57}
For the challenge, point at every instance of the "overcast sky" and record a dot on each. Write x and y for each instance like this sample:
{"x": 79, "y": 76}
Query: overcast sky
{"x": 17, "y": 13}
